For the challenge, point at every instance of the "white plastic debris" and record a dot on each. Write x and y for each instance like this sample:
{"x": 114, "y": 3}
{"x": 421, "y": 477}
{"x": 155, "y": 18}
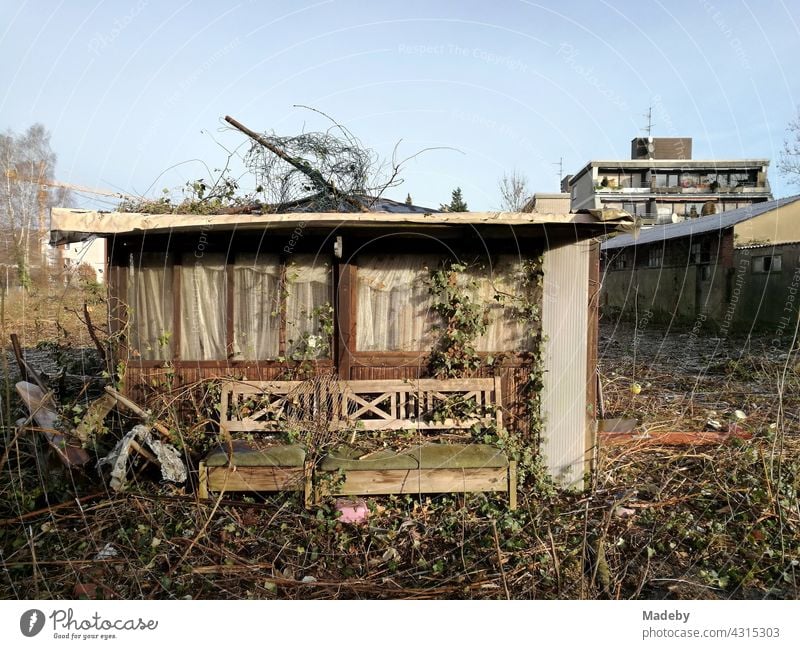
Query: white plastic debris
{"x": 108, "y": 552}
{"x": 172, "y": 467}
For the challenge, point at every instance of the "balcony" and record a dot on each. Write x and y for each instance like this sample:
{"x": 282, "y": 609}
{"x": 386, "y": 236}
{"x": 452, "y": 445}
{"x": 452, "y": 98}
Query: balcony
{"x": 703, "y": 190}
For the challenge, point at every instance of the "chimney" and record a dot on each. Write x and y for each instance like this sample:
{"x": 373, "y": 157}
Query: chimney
{"x": 661, "y": 148}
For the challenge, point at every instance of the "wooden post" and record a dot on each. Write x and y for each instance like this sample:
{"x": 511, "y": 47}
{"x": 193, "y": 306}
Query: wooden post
{"x": 345, "y": 319}
{"x": 202, "y": 486}
{"x": 177, "y": 267}
{"x": 498, "y": 401}
{"x": 229, "y": 317}
{"x": 308, "y": 484}
{"x": 512, "y": 485}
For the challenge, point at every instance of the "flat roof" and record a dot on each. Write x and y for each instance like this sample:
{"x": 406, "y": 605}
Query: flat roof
{"x": 71, "y": 225}
{"x": 672, "y": 164}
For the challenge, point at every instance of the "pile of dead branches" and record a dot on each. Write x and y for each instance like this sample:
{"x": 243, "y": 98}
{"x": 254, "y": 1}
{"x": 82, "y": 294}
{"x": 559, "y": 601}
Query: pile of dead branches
{"x": 315, "y": 171}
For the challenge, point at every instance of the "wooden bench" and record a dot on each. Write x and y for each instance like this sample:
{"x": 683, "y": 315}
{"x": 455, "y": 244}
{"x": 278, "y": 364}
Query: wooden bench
{"x": 263, "y": 407}
{"x": 419, "y": 407}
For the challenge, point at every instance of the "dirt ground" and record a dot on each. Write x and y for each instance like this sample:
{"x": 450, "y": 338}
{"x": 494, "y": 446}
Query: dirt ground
{"x": 687, "y": 379}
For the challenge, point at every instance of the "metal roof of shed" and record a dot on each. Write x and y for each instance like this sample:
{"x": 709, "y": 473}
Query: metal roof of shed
{"x": 692, "y": 227}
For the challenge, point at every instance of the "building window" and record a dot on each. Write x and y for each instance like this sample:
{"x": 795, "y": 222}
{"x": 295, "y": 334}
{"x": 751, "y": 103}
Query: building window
{"x": 620, "y": 261}
{"x": 654, "y": 257}
{"x": 308, "y": 291}
{"x": 203, "y": 303}
{"x": 392, "y": 290}
{"x": 395, "y": 307}
{"x": 666, "y": 178}
{"x": 274, "y": 308}
{"x": 256, "y": 333}
{"x": 620, "y": 179}
{"x": 689, "y": 210}
{"x": 689, "y": 180}
{"x": 701, "y": 253}
{"x": 746, "y": 178}
{"x": 149, "y": 290}
{"x": 279, "y": 308}
{"x": 767, "y": 264}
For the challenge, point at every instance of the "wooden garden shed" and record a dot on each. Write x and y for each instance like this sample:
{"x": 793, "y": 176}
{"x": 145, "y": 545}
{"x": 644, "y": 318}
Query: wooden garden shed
{"x": 367, "y": 296}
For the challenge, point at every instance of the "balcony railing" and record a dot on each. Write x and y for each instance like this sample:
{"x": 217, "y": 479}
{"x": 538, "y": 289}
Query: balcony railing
{"x": 739, "y": 189}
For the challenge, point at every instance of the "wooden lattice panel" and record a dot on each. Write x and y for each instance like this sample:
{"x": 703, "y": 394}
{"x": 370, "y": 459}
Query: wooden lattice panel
{"x": 420, "y": 404}
{"x": 264, "y": 405}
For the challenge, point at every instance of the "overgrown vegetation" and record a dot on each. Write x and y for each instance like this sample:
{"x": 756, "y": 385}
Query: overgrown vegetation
{"x": 681, "y": 522}
{"x": 465, "y": 317}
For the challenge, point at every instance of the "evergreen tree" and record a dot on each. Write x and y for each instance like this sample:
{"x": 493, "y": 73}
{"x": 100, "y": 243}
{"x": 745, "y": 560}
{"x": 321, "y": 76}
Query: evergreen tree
{"x": 457, "y": 203}
{"x": 408, "y": 199}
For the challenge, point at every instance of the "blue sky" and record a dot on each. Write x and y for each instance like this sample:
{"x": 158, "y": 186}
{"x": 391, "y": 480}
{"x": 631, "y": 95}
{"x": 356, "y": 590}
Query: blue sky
{"x": 129, "y": 90}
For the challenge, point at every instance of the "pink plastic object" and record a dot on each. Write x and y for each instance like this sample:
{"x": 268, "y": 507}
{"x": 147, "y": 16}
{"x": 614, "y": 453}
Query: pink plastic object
{"x": 352, "y": 511}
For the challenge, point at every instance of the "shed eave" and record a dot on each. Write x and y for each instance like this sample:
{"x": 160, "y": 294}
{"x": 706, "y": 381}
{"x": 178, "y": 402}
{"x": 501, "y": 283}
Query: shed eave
{"x": 70, "y": 225}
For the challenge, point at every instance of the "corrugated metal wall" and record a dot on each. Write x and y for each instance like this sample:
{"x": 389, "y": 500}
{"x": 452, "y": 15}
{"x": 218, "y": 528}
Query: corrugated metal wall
{"x": 565, "y": 313}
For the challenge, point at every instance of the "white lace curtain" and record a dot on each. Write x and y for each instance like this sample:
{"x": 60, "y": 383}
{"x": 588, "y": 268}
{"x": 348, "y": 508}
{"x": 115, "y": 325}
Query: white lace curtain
{"x": 505, "y": 331}
{"x": 150, "y": 307}
{"x": 203, "y": 302}
{"x": 256, "y": 307}
{"x": 394, "y": 303}
{"x": 309, "y": 288}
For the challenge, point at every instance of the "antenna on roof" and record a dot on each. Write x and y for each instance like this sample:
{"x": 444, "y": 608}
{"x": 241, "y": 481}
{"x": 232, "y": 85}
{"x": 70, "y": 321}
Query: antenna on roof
{"x": 649, "y": 128}
{"x": 560, "y": 165}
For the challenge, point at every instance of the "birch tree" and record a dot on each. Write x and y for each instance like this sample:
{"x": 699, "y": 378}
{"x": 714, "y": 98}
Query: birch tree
{"x": 26, "y": 165}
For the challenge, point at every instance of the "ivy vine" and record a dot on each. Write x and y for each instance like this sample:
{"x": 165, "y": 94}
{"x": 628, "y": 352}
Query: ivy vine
{"x": 464, "y": 318}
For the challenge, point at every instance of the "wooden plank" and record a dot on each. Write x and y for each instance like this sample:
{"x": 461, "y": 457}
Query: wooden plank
{"x": 415, "y": 424}
{"x": 512, "y": 485}
{"x": 28, "y": 373}
{"x": 202, "y": 477}
{"x": 42, "y": 409}
{"x": 251, "y": 367}
{"x": 361, "y": 386}
{"x": 256, "y": 478}
{"x": 136, "y": 409}
{"x": 497, "y": 401}
{"x": 670, "y": 438}
{"x": 403, "y": 359}
{"x": 257, "y": 387}
{"x": 96, "y": 413}
{"x": 414, "y": 481}
{"x": 224, "y": 403}
{"x": 371, "y": 407}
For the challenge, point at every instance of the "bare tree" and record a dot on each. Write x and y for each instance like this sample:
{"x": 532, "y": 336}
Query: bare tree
{"x": 513, "y": 191}
{"x": 789, "y": 162}
{"x": 26, "y": 165}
